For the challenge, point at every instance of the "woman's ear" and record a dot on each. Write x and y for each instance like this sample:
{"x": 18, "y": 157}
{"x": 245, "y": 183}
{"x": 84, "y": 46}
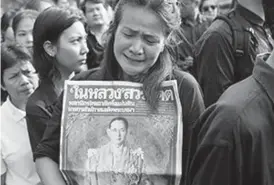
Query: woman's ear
{"x": 50, "y": 48}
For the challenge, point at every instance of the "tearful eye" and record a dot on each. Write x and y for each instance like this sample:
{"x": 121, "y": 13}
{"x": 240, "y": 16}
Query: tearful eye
{"x": 13, "y": 76}
{"x": 128, "y": 34}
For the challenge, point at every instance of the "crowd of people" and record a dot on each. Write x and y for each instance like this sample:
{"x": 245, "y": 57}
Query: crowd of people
{"x": 223, "y": 64}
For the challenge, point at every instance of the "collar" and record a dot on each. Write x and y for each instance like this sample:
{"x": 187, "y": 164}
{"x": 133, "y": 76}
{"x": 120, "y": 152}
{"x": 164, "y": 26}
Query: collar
{"x": 16, "y": 114}
{"x": 249, "y": 16}
{"x": 264, "y": 74}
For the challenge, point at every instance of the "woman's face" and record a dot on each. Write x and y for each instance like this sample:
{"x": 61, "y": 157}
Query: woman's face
{"x": 209, "y": 9}
{"x": 71, "y": 49}
{"x": 20, "y": 80}
{"x": 138, "y": 41}
{"x": 23, "y": 34}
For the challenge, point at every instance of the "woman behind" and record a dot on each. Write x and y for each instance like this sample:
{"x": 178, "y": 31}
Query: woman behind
{"x": 22, "y": 26}
{"x": 7, "y": 37}
{"x": 59, "y": 50}
{"x": 19, "y": 79}
{"x": 137, "y": 51}
{"x": 6, "y": 29}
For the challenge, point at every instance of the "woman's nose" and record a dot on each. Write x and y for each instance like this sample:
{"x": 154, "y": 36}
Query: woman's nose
{"x": 136, "y": 47}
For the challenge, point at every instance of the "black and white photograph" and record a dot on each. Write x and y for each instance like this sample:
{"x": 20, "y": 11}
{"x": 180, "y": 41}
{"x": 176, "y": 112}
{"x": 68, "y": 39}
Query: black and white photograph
{"x": 137, "y": 92}
{"x": 109, "y": 134}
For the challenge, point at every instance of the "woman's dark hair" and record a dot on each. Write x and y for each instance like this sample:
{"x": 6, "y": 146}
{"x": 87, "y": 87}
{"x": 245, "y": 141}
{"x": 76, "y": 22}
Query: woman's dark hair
{"x": 23, "y": 14}
{"x": 11, "y": 55}
{"x": 169, "y": 13}
{"x": 48, "y": 26}
{"x": 6, "y": 20}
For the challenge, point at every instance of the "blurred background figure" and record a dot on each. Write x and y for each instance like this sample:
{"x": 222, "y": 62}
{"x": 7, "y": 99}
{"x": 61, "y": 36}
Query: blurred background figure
{"x": 22, "y": 26}
{"x": 190, "y": 10}
{"x": 19, "y": 80}
{"x": 6, "y": 28}
{"x": 98, "y": 19}
{"x": 38, "y": 5}
{"x": 191, "y": 29}
{"x": 62, "y": 3}
{"x": 209, "y": 9}
{"x": 7, "y": 38}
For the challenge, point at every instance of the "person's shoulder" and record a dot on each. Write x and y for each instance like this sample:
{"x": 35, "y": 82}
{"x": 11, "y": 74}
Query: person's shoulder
{"x": 237, "y": 107}
{"x": 217, "y": 28}
{"x": 37, "y": 96}
{"x": 91, "y": 74}
{"x": 242, "y": 94}
{"x": 185, "y": 79}
{"x": 44, "y": 95}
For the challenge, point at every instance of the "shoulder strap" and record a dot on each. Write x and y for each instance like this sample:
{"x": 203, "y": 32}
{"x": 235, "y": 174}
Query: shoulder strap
{"x": 241, "y": 32}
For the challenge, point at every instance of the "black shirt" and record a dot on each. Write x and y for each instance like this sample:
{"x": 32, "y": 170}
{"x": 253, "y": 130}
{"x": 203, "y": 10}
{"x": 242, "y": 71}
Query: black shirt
{"x": 215, "y": 64}
{"x": 235, "y": 136}
{"x": 38, "y": 111}
{"x": 191, "y": 101}
{"x": 96, "y": 52}
{"x": 188, "y": 35}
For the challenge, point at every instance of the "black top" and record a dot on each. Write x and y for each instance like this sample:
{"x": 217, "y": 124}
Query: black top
{"x": 96, "y": 52}
{"x": 191, "y": 101}
{"x": 215, "y": 64}
{"x": 189, "y": 34}
{"x": 38, "y": 111}
{"x": 235, "y": 136}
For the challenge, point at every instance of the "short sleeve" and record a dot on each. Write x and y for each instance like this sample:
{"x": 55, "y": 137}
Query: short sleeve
{"x": 50, "y": 143}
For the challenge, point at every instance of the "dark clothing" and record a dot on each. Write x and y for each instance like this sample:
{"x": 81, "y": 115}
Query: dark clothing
{"x": 234, "y": 138}
{"x": 191, "y": 101}
{"x": 215, "y": 65}
{"x": 188, "y": 35}
{"x": 38, "y": 111}
{"x": 96, "y": 52}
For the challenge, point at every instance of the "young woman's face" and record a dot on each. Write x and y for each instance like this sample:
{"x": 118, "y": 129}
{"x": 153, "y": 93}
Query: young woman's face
{"x": 23, "y": 34}
{"x": 72, "y": 48}
{"x": 138, "y": 41}
{"x": 20, "y": 80}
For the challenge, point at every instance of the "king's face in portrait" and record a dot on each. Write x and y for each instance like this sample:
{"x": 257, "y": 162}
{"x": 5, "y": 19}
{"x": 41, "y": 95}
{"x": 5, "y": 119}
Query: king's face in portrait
{"x": 117, "y": 132}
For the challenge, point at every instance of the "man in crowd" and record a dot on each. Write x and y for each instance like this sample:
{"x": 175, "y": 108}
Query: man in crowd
{"x": 226, "y": 53}
{"x": 115, "y": 156}
{"x": 235, "y": 136}
{"x": 192, "y": 27}
{"x": 98, "y": 18}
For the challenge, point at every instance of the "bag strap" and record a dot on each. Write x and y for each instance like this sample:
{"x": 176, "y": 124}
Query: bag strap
{"x": 241, "y": 32}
